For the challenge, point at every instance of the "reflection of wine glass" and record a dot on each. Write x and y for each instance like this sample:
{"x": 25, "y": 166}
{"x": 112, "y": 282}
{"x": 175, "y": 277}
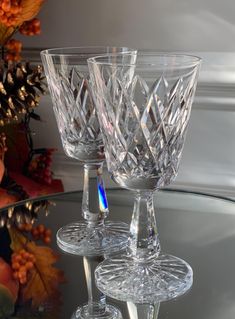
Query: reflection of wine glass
{"x": 143, "y": 311}
{"x": 96, "y": 308}
{"x": 143, "y": 109}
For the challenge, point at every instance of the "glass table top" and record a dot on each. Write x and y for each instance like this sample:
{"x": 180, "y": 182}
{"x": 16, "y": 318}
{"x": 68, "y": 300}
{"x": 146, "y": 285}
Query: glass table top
{"x": 199, "y": 228}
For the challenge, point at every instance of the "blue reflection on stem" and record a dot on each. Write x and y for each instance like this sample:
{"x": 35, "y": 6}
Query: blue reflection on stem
{"x": 102, "y": 197}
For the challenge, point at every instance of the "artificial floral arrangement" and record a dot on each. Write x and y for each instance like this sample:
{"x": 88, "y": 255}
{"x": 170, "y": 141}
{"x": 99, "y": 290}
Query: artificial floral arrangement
{"x": 28, "y": 280}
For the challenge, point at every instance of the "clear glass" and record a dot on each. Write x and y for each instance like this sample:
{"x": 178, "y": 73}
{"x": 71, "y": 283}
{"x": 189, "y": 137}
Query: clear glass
{"x": 69, "y": 85}
{"x": 143, "y": 105}
{"x": 143, "y": 311}
{"x": 96, "y": 308}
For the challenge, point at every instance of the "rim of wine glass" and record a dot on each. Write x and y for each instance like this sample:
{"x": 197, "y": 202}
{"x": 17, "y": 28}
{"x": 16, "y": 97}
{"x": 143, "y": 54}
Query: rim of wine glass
{"x": 61, "y": 51}
{"x": 190, "y": 60}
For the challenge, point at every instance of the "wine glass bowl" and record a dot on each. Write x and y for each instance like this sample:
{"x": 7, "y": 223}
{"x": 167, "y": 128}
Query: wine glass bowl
{"x": 151, "y": 112}
{"x": 67, "y": 74}
{"x": 143, "y": 104}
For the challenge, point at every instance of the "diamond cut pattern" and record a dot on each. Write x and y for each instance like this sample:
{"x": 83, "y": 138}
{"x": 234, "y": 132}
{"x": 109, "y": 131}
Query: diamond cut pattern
{"x": 80, "y": 108}
{"x": 147, "y": 125}
{"x": 74, "y": 110}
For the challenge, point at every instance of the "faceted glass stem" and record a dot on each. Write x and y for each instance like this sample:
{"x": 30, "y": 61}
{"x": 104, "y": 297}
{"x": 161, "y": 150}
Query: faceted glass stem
{"x": 93, "y": 237}
{"x": 143, "y": 311}
{"x": 94, "y": 202}
{"x": 144, "y": 239}
{"x": 144, "y": 275}
{"x": 96, "y": 300}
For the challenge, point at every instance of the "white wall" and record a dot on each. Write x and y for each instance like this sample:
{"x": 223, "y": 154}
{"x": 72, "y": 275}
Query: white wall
{"x": 185, "y": 25}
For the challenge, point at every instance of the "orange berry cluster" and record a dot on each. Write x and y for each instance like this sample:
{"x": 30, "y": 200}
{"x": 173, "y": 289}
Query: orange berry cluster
{"x": 22, "y": 262}
{"x": 41, "y": 232}
{"x": 9, "y": 11}
{"x": 38, "y": 232}
{"x": 27, "y": 227}
{"x": 14, "y": 48}
{"x": 32, "y": 27}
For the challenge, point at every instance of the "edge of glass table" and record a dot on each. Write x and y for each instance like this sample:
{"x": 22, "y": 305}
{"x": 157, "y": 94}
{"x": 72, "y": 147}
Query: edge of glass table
{"x": 74, "y": 193}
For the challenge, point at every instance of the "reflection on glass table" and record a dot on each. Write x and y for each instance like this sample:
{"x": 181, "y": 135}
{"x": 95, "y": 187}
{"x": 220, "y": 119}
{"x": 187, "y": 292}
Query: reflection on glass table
{"x": 197, "y": 227}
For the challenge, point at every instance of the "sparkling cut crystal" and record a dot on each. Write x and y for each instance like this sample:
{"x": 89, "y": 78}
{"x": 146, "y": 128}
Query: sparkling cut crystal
{"x": 143, "y": 107}
{"x": 76, "y": 116}
{"x": 146, "y": 129}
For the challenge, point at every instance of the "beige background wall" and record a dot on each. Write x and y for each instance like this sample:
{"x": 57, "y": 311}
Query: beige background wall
{"x": 185, "y": 25}
{"x": 175, "y": 25}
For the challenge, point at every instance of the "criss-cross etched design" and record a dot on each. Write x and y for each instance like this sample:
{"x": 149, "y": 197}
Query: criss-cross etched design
{"x": 76, "y": 116}
{"x": 146, "y": 130}
{"x": 144, "y": 103}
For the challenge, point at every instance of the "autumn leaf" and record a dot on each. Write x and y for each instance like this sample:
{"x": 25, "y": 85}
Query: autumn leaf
{"x": 44, "y": 279}
{"x": 29, "y": 10}
{"x": 5, "y": 33}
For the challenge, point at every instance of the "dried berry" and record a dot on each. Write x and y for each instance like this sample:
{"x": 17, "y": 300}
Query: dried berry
{"x": 22, "y": 262}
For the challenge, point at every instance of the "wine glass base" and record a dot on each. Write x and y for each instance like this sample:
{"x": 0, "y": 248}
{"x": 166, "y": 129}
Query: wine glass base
{"x": 159, "y": 279}
{"x": 81, "y": 239}
{"x": 110, "y": 312}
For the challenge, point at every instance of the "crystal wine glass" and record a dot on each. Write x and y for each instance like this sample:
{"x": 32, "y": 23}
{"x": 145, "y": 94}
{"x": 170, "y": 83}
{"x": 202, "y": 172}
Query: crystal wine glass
{"x": 69, "y": 85}
{"x": 144, "y": 108}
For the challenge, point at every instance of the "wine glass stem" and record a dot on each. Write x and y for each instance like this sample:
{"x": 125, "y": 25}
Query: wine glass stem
{"x": 143, "y": 311}
{"x": 94, "y": 202}
{"x": 144, "y": 239}
{"x": 96, "y": 300}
